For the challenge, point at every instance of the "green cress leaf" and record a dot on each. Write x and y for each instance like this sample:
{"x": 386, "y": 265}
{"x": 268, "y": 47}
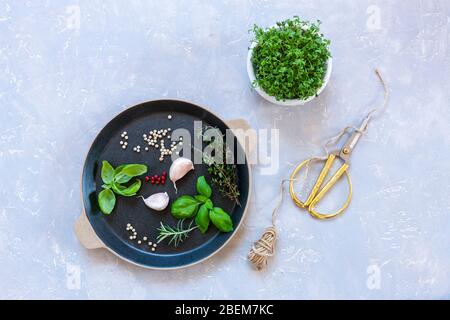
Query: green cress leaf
{"x": 202, "y": 218}
{"x": 290, "y": 60}
{"x": 107, "y": 172}
{"x": 127, "y": 191}
{"x": 221, "y": 219}
{"x": 203, "y": 187}
{"x": 184, "y": 207}
{"x": 106, "y": 201}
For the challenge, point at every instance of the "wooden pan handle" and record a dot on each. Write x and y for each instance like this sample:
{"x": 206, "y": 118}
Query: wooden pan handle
{"x": 239, "y": 126}
{"x": 85, "y": 234}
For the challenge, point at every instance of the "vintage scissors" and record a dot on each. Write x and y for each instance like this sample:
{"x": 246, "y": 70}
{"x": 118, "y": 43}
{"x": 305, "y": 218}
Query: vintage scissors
{"x": 318, "y": 192}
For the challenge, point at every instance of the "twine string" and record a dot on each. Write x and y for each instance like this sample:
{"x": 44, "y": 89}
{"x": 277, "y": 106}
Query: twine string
{"x": 370, "y": 115}
{"x": 264, "y": 247}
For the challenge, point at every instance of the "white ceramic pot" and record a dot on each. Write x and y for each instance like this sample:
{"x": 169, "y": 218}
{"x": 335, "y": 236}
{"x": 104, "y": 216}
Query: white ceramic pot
{"x": 290, "y": 102}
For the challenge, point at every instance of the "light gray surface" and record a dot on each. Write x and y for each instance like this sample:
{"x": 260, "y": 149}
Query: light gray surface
{"x": 67, "y": 67}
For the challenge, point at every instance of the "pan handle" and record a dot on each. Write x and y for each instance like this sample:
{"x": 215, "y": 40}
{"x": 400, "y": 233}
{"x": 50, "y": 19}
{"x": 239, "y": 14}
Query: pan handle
{"x": 85, "y": 234}
{"x": 239, "y": 128}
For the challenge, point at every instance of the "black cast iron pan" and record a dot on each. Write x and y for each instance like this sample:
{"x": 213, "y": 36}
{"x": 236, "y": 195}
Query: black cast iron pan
{"x": 95, "y": 229}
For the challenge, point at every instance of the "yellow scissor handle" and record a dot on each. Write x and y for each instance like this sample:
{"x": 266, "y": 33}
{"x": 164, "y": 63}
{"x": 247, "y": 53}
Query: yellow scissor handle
{"x": 316, "y": 193}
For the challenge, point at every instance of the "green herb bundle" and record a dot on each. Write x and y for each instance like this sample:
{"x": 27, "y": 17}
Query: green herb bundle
{"x": 199, "y": 207}
{"x": 113, "y": 183}
{"x": 202, "y": 208}
{"x": 290, "y": 59}
{"x": 223, "y": 175}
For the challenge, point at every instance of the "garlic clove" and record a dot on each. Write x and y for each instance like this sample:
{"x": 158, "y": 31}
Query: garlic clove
{"x": 157, "y": 201}
{"x": 179, "y": 168}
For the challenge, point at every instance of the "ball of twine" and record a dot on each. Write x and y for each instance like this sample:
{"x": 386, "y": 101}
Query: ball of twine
{"x": 263, "y": 248}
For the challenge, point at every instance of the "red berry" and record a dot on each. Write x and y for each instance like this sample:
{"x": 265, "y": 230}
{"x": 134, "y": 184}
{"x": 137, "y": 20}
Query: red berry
{"x": 147, "y": 178}
{"x": 155, "y": 176}
{"x": 157, "y": 181}
{"x": 164, "y": 173}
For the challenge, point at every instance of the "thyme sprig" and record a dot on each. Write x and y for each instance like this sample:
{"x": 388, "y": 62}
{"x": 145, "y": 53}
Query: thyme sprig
{"x": 223, "y": 175}
{"x": 176, "y": 234}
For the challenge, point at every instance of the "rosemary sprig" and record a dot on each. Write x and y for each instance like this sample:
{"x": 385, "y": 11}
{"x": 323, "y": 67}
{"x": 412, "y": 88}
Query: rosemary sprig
{"x": 176, "y": 234}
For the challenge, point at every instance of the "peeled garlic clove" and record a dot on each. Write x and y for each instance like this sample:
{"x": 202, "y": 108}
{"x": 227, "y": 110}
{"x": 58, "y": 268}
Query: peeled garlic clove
{"x": 157, "y": 201}
{"x": 179, "y": 168}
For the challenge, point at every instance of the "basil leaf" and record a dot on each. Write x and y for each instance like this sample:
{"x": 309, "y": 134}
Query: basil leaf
{"x": 133, "y": 189}
{"x": 107, "y": 172}
{"x": 201, "y": 198}
{"x": 118, "y": 169}
{"x": 202, "y": 219}
{"x": 221, "y": 219}
{"x": 106, "y": 201}
{"x": 203, "y": 187}
{"x": 127, "y": 191}
{"x": 122, "y": 178}
{"x": 134, "y": 170}
{"x": 118, "y": 188}
{"x": 209, "y": 204}
{"x": 184, "y": 207}
{"x": 129, "y": 171}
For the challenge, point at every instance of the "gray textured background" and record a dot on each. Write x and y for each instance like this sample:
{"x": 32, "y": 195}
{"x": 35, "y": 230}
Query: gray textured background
{"x": 67, "y": 67}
